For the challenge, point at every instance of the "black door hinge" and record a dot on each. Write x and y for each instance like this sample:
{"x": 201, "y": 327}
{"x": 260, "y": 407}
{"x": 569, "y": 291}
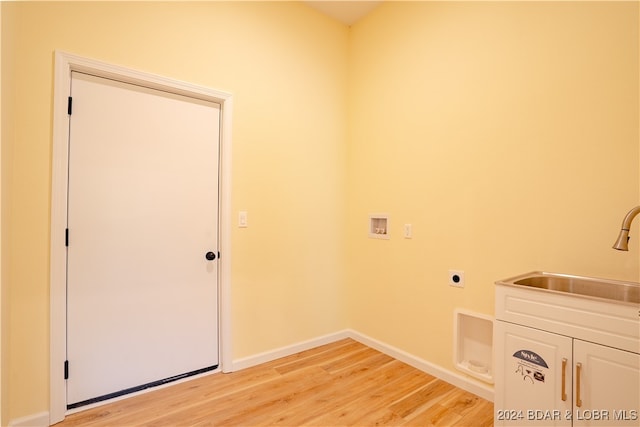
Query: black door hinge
{"x": 69, "y": 105}
{"x": 66, "y": 369}
{"x": 66, "y": 237}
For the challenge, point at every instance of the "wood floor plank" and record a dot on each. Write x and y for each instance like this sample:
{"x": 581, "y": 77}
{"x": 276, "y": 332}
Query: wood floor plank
{"x": 462, "y": 402}
{"x": 480, "y": 415}
{"x": 324, "y": 357}
{"x": 372, "y": 406}
{"x": 344, "y": 383}
{"x": 358, "y": 411}
{"x": 350, "y": 359}
{"x": 337, "y": 392}
{"x": 422, "y": 399}
{"x": 269, "y": 400}
{"x": 329, "y": 349}
{"x": 244, "y": 402}
{"x": 435, "y": 415}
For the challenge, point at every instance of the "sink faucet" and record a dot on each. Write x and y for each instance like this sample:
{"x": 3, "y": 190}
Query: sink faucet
{"x": 623, "y": 238}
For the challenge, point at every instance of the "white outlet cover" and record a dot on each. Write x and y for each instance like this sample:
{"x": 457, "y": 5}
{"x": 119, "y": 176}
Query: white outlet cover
{"x": 456, "y": 278}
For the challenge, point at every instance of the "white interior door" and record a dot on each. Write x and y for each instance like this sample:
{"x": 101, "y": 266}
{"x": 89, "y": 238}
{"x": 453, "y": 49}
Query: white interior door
{"x": 143, "y": 212}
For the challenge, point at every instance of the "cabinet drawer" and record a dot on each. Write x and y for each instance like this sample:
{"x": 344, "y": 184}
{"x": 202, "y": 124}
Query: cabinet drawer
{"x": 607, "y": 323}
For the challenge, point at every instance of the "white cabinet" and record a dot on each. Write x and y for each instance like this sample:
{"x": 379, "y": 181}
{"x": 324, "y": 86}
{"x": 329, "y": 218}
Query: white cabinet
{"x": 605, "y": 379}
{"x": 563, "y": 361}
{"x": 547, "y": 379}
{"x": 532, "y": 369}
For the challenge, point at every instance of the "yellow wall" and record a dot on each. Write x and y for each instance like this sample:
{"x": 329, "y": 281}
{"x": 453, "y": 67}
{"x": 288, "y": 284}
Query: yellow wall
{"x": 506, "y": 133}
{"x": 3, "y": 310}
{"x": 285, "y": 65}
{"x": 6, "y": 135}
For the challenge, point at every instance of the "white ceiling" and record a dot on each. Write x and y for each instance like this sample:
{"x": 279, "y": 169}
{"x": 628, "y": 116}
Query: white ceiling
{"x": 347, "y": 12}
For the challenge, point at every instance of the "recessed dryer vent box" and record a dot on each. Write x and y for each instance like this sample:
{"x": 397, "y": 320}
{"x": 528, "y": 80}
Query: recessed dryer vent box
{"x": 473, "y": 344}
{"x": 379, "y": 226}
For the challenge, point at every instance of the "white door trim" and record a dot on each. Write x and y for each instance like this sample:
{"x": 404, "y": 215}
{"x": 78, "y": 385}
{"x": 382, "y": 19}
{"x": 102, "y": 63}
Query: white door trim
{"x": 65, "y": 63}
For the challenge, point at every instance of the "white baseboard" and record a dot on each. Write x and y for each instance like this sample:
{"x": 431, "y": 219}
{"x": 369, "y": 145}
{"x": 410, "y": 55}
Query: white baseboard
{"x": 268, "y": 356}
{"x": 41, "y": 419}
{"x": 464, "y": 382}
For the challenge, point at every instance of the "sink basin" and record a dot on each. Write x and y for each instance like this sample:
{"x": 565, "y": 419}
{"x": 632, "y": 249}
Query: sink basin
{"x": 613, "y": 290}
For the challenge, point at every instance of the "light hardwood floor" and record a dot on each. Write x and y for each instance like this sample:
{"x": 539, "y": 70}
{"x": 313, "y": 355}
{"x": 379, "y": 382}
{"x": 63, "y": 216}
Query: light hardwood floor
{"x": 341, "y": 384}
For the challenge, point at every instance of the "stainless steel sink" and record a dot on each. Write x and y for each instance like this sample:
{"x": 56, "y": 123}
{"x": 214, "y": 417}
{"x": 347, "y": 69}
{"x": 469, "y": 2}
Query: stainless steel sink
{"x": 627, "y": 292}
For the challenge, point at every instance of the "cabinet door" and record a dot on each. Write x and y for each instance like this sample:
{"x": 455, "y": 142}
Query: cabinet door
{"x": 532, "y": 377}
{"x": 608, "y": 393}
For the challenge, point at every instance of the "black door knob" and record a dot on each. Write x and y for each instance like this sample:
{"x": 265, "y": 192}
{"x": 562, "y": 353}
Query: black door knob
{"x": 210, "y": 256}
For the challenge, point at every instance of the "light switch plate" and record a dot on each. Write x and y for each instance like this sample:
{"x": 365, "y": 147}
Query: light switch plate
{"x": 242, "y": 219}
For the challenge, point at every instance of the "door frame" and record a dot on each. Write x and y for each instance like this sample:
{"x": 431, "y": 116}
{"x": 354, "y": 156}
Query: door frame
{"x": 65, "y": 63}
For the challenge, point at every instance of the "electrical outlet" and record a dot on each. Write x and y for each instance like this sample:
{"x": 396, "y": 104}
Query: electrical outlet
{"x": 456, "y": 278}
{"x": 408, "y": 232}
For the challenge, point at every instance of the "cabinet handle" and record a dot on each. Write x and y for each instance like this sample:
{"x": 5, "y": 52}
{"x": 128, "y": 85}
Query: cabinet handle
{"x": 578, "y": 371}
{"x": 564, "y": 379}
